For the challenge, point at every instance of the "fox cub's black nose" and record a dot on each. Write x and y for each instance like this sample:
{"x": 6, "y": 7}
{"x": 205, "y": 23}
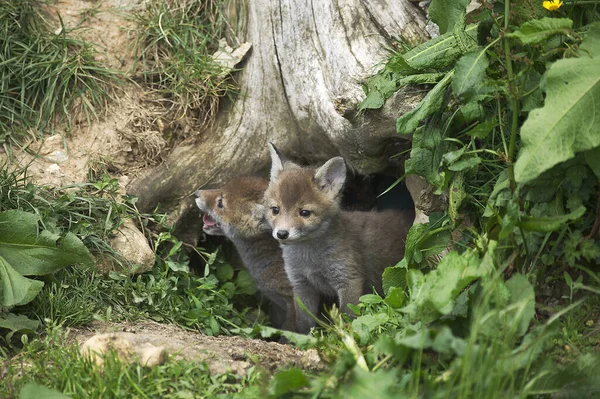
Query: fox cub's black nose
{"x": 197, "y": 193}
{"x": 283, "y": 234}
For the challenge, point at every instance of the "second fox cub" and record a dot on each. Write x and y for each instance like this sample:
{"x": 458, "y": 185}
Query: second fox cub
{"x": 232, "y": 211}
{"x": 329, "y": 252}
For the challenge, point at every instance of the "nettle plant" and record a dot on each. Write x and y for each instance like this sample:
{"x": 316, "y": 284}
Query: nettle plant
{"x": 510, "y": 130}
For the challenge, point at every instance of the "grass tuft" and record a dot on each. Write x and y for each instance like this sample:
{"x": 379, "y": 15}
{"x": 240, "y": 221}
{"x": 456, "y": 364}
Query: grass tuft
{"x": 175, "y": 40}
{"x": 46, "y": 77}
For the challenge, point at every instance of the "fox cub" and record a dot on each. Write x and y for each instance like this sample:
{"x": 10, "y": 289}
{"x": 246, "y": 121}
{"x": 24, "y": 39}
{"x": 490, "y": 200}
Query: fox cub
{"x": 234, "y": 212}
{"x": 329, "y": 252}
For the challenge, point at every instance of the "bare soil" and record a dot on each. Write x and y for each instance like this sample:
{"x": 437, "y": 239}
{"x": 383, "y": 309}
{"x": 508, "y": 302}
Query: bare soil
{"x": 222, "y": 354}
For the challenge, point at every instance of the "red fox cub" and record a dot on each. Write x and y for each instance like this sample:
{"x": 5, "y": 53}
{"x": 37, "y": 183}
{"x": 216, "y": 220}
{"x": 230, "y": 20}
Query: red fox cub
{"x": 232, "y": 211}
{"x": 328, "y": 252}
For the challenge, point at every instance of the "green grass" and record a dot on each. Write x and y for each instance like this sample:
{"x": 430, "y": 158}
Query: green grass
{"x": 53, "y": 362}
{"x": 175, "y": 41}
{"x": 45, "y": 77}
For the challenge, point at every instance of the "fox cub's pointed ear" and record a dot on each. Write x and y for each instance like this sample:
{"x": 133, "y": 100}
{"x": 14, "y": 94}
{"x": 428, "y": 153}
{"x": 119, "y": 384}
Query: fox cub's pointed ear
{"x": 278, "y": 161}
{"x": 332, "y": 176}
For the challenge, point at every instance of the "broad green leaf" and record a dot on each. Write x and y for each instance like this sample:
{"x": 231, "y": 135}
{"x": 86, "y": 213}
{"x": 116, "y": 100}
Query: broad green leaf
{"x": 539, "y": 30}
{"x": 288, "y": 381}
{"x": 395, "y": 298}
{"x": 435, "y": 293}
{"x": 374, "y": 100}
{"x": 394, "y": 277}
{"x": 363, "y": 384}
{"x": 300, "y": 340}
{"x": 14, "y": 288}
{"x": 371, "y": 298}
{"x": 420, "y": 79}
{"x": 428, "y": 148}
{"x": 552, "y": 223}
{"x": 522, "y": 295}
{"x": 35, "y": 391}
{"x": 33, "y": 254}
{"x": 416, "y": 232}
{"x": 482, "y": 130}
{"x": 568, "y": 123}
{"x": 224, "y": 272}
{"x": 364, "y": 325}
{"x": 245, "y": 283}
{"x": 447, "y": 13}
{"x": 591, "y": 41}
{"x": 456, "y": 196}
{"x": 469, "y": 74}
{"x": 530, "y": 84}
{"x": 593, "y": 159}
{"x": 446, "y": 342}
{"x": 467, "y": 162}
{"x": 15, "y": 322}
{"x": 440, "y": 52}
{"x": 432, "y": 102}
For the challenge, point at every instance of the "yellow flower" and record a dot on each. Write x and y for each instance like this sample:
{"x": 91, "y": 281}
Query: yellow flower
{"x": 552, "y": 5}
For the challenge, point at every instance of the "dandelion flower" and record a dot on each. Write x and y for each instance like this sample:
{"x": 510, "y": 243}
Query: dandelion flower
{"x": 552, "y": 5}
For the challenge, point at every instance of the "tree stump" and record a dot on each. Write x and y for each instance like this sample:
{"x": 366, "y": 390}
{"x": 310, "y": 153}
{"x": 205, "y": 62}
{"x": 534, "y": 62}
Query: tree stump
{"x": 299, "y": 87}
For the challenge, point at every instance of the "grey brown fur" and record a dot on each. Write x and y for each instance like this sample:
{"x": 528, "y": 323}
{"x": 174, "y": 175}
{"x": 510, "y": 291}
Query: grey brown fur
{"x": 242, "y": 221}
{"x": 330, "y": 252}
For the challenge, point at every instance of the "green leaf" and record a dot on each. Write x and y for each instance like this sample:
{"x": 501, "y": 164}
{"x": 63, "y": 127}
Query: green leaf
{"x": 33, "y": 390}
{"x": 465, "y": 163}
{"x": 440, "y": 52}
{"x": 521, "y": 294}
{"x": 224, "y": 272}
{"x": 374, "y": 100}
{"x": 592, "y": 157}
{"x": 30, "y": 253}
{"x": 569, "y": 121}
{"x": 395, "y": 298}
{"x": 363, "y": 384}
{"x": 15, "y": 322}
{"x": 364, "y": 325}
{"x": 302, "y": 341}
{"x": 539, "y": 30}
{"x": 447, "y": 13}
{"x": 446, "y": 342}
{"x": 428, "y": 148}
{"x": 469, "y": 74}
{"x": 439, "y": 288}
{"x": 288, "y": 381}
{"x": 14, "y": 288}
{"x": 432, "y": 102}
{"x": 483, "y": 130}
{"x": 591, "y": 41}
{"x": 245, "y": 283}
{"x": 394, "y": 277}
{"x": 456, "y": 196}
{"x": 371, "y": 298}
{"x": 552, "y": 223}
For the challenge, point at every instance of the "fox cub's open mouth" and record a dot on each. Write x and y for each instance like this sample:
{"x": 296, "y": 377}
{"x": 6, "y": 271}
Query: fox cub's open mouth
{"x": 210, "y": 223}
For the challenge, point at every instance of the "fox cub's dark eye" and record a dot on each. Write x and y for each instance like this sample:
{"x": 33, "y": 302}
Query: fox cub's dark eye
{"x": 304, "y": 213}
{"x": 220, "y": 203}
{"x": 275, "y": 210}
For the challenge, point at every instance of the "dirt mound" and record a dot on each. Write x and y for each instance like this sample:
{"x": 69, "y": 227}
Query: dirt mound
{"x": 222, "y": 354}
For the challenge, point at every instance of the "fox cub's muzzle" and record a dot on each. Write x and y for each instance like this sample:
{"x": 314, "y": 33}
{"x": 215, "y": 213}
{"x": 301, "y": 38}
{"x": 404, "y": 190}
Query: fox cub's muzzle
{"x": 283, "y": 234}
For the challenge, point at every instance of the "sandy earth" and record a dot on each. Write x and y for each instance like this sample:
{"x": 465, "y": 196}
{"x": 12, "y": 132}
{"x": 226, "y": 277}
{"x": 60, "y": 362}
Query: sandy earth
{"x": 128, "y": 135}
{"x": 221, "y": 354}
